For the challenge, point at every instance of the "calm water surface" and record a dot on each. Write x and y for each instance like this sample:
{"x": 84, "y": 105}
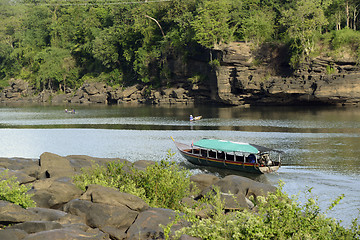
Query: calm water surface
{"x": 321, "y": 145}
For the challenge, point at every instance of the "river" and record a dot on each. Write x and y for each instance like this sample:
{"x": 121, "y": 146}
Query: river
{"x": 321, "y": 145}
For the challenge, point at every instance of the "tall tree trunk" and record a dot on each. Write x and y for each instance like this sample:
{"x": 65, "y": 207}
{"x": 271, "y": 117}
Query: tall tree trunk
{"x": 347, "y": 14}
{"x": 338, "y": 23}
{"x": 355, "y": 15}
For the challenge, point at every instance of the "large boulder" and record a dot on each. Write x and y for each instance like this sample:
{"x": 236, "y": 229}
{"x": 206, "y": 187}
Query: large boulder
{"x": 107, "y": 195}
{"x": 29, "y": 167}
{"x": 235, "y": 191}
{"x": 11, "y": 213}
{"x": 203, "y": 181}
{"x": 20, "y": 176}
{"x": 50, "y": 193}
{"x": 83, "y": 161}
{"x": 53, "y": 165}
{"x": 68, "y": 233}
{"x": 114, "y": 220}
{"x": 46, "y": 214}
{"x": 36, "y": 226}
{"x": 12, "y": 234}
{"x": 147, "y": 224}
{"x": 238, "y": 184}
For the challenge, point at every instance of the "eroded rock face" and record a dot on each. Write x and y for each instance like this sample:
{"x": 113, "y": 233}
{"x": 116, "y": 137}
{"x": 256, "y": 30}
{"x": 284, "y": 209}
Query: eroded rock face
{"x": 323, "y": 81}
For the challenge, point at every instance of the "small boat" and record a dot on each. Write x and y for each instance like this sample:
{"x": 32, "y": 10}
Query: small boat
{"x": 238, "y": 156}
{"x": 195, "y": 118}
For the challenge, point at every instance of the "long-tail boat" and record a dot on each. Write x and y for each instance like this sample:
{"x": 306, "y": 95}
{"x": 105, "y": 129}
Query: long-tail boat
{"x": 238, "y": 156}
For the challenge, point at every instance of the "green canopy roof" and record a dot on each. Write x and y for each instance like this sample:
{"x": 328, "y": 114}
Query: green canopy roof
{"x": 227, "y": 146}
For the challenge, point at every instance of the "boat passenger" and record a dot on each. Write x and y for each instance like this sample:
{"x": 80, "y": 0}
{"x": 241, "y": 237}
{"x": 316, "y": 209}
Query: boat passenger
{"x": 251, "y": 158}
{"x": 191, "y": 118}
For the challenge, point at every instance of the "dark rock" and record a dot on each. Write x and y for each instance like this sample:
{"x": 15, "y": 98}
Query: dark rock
{"x": 36, "y": 226}
{"x": 203, "y": 181}
{"x": 64, "y": 212}
{"x": 98, "y": 98}
{"x": 147, "y": 224}
{"x": 143, "y": 164}
{"x": 66, "y": 234}
{"x": 27, "y": 166}
{"x": 20, "y": 176}
{"x": 103, "y": 216}
{"x": 106, "y": 195}
{"x": 12, "y": 234}
{"x": 50, "y": 162}
{"x": 51, "y": 193}
{"x": 187, "y": 237}
{"x": 236, "y": 191}
{"x": 46, "y": 214}
{"x": 83, "y": 161}
{"x": 11, "y": 213}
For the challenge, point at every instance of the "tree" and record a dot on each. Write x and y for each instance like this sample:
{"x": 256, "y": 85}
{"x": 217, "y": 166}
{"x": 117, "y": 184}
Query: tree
{"x": 259, "y": 26}
{"x": 303, "y": 23}
{"x": 211, "y": 24}
{"x": 105, "y": 49}
{"x": 57, "y": 69}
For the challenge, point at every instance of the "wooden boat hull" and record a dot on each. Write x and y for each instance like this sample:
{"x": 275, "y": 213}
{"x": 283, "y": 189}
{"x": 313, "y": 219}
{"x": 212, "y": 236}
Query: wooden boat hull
{"x": 185, "y": 151}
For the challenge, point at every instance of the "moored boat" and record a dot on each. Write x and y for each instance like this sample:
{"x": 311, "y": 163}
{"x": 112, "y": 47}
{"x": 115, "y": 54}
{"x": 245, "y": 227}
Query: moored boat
{"x": 238, "y": 156}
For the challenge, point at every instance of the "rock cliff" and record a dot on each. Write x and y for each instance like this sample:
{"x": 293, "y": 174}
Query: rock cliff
{"x": 240, "y": 80}
{"x": 243, "y": 76}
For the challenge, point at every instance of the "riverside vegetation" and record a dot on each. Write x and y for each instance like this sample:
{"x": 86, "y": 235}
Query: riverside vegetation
{"x": 164, "y": 184}
{"x": 57, "y": 45}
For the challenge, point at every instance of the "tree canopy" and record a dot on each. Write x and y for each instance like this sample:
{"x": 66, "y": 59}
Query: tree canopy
{"x": 59, "y": 44}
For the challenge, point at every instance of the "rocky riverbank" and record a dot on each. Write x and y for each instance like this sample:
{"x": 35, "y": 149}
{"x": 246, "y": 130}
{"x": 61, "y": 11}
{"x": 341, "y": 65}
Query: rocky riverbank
{"x": 63, "y": 211}
{"x": 243, "y": 77}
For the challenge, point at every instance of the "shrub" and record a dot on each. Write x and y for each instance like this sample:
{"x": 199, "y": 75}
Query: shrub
{"x": 114, "y": 174}
{"x": 12, "y": 191}
{"x": 345, "y": 37}
{"x": 165, "y": 183}
{"x": 161, "y": 185}
{"x": 277, "y": 216}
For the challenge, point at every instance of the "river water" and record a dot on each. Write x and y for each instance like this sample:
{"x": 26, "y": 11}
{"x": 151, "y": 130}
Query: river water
{"x": 321, "y": 145}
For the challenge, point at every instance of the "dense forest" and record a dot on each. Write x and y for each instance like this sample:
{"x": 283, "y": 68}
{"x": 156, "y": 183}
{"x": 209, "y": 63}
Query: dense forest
{"x": 58, "y": 44}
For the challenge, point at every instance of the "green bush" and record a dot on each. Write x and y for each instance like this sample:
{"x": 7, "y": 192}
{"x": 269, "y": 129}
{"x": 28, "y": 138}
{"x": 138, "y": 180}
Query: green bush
{"x": 116, "y": 175}
{"x": 277, "y": 216}
{"x": 165, "y": 183}
{"x": 345, "y": 37}
{"x": 12, "y": 191}
{"x": 162, "y": 184}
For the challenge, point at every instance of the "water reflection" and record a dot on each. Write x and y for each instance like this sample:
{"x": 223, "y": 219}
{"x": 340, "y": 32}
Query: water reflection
{"x": 151, "y": 117}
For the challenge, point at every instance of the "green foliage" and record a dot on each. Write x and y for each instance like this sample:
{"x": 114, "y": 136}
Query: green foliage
{"x": 259, "y": 26}
{"x": 161, "y": 185}
{"x": 303, "y": 23}
{"x": 212, "y": 23}
{"x": 346, "y": 42}
{"x": 165, "y": 183}
{"x": 12, "y": 191}
{"x": 196, "y": 79}
{"x": 346, "y": 37}
{"x": 330, "y": 69}
{"x": 214, "y": 63}
{"x": 54, "y": 47}
{"x": 277, "y": 216}
{"x": 56, "y": 68}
